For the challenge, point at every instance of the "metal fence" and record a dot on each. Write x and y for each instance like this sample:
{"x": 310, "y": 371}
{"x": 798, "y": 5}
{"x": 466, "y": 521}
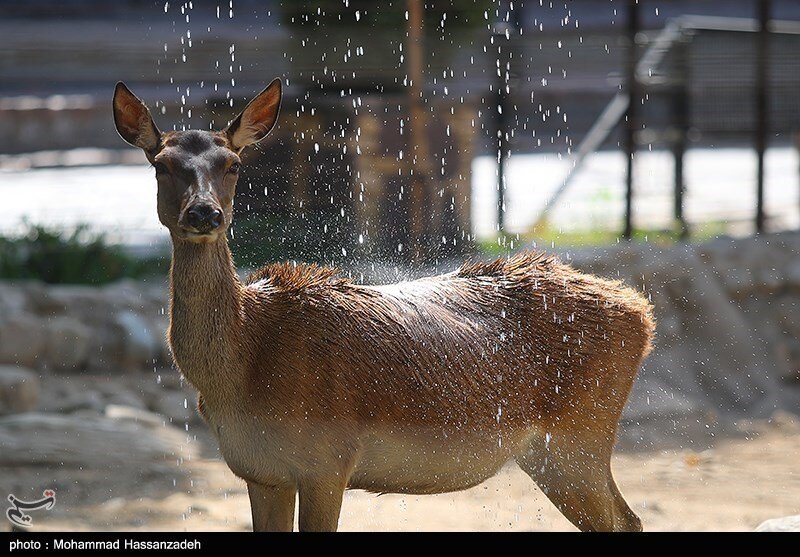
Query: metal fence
{"x": 700, "y": 81}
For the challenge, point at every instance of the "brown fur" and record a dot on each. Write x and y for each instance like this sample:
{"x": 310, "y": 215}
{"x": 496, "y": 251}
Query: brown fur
{"x": 313, "y": 384}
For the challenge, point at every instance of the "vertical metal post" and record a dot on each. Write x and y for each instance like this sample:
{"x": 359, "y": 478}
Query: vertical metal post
{"x": 501, "y": 106}
{"x": 681, "y": 115}
{"x": 418, "y": 134}
{"x": 502, "y": 28}
{"x": 761, "y": 108}
{"x": 630, "y": 114}
{"x": 797, "y": 145}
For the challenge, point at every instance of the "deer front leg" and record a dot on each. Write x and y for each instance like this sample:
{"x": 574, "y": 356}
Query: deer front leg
{"x": 272, "y": 507}
{"x": 320, "y": 504}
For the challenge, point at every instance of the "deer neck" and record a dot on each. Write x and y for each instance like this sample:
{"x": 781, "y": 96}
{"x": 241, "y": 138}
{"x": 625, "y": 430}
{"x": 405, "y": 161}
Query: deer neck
{"x": 205, "y": 314}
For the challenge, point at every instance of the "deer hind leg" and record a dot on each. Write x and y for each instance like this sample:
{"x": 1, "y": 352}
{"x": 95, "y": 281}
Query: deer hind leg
{"x": 272, "y": 507}
{"x": 574, "y": 471}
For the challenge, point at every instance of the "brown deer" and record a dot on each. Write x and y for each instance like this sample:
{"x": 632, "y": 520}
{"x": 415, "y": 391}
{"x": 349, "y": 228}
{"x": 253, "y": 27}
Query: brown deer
{"x": 313, "y": 384}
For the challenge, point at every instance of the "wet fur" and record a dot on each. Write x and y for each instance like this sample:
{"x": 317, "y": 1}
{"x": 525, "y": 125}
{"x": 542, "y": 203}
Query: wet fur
{"x": 313, "y": 384}
{"x": 426, "y": 386}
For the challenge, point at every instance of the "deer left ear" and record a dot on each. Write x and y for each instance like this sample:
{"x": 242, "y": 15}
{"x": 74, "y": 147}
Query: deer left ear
{"x": 257, "y": 119}
{"x": 133, "y": 120}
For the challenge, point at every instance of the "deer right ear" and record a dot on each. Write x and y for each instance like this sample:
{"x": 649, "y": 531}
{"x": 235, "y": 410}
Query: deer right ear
{"x": 133, "y": 120}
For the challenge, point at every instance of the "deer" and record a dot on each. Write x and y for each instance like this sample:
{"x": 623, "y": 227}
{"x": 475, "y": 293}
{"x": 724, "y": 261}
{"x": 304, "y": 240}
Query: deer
{"x": 313, "y": 384}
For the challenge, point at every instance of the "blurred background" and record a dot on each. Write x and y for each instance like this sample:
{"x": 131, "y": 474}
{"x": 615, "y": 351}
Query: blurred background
{"x": 412, "y": 132}
{"x": 652, "y": 140}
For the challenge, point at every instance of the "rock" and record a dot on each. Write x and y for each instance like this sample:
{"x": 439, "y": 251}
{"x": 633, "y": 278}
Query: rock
{"x": 139, "y": 346}
{"x": 75, "y": 401}
{"x": 68, "y": 343}
{"x": 652, "y": 398}
{"x": 104, "y": 347}
{"x": 125, "y": 323}
{"x": 137, "y": 415}
{"x": 793, "y": 273}
{"x": 19, "y": 390}
{"x": 13, "y": 299}
{"x": 166, "y": 378}
{"x": 75, "y": 392}
{"x": 177, "y": 407}
{"x": 117, "y": 392}
{"x": 88, "y": 441}
{"x": 22, "y": 341}
{"x": 79, "y": 302}
{"x": 54, "y": 389}
{"x": 158, "y": 326}
{"x": 127, "y": 340}
{"x": 126, "y": 398}
{"x": 127, "y": 294}
{"x": 785, "y": 524}
{"x": 708, "y": 353}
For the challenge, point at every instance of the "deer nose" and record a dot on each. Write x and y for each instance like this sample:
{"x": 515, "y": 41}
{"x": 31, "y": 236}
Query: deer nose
{"x": 203, "y": 217}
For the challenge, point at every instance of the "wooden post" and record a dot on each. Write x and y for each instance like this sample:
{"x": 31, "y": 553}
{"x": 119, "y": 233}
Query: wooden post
{"x": 630, "y": 115}
{"x": 761, "y": 108}
{"x": 418, "y": 137}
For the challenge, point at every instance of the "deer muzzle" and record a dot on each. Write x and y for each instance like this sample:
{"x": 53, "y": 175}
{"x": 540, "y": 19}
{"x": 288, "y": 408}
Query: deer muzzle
{"x": 203, "y": 218}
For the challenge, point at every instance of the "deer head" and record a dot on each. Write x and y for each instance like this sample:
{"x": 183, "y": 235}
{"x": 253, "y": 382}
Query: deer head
{"x": 196, "y": 170}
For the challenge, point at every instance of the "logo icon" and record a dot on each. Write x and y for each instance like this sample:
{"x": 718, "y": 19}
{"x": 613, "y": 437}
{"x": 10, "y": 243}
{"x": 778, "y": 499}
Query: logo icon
{"x": 16, "y": 512}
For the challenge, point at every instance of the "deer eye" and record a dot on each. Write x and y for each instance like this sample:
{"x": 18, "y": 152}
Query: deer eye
{"x": 161, "y": 168}
{"x": 234, "y": 168}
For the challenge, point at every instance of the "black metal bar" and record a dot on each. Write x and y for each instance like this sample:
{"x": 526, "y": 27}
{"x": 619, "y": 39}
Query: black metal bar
{"x": 504, "y": 27}
{"x": 761, "y": 108}
{"x": 630, "y": 114}
{"x": 501, "y": 105}
{"x": 681, "y": 115}
{"x": 797, "y": 146}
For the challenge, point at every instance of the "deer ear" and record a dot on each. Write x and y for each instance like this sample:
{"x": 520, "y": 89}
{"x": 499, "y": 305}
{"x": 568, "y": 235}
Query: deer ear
{"x": 133, "y": 120}
{"x": 257, "y": 119}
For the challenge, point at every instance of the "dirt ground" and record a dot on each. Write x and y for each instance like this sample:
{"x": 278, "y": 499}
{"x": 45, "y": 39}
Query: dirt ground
{"x": 734, "y": 485}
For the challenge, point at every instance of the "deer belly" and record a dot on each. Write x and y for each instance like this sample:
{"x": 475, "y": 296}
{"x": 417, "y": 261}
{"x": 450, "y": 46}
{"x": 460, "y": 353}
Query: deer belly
{"x": 253, "y": 452}
{"x": 419, "y": 464}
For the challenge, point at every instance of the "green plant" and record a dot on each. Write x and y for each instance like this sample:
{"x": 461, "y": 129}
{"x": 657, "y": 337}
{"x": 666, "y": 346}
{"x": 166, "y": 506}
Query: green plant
{"x": 77, "y": 257}
{"x": 546, "y": 236}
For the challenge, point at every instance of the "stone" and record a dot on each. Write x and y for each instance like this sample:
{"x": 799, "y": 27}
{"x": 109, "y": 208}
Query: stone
{"x": 652, "y": 398}
{"x": 104, "y": 347}
{"x": 136, "y": 415}
{"x": 79, "y": 401}
{"x": 68, "y": 343}
{"x": 126, "y": 294}
{"x": 160, "y": 381}
{"x": 793, "y": 273}
{"x": 22, "y": 341}
{"x": 125, "y": 341}
{"x": 126, "y": 398}
{"x": 784, "y": 524}
{"x": 728, "y": 315}
{"x": 710, "y": 351}
{"x": 139, "y": 346}
{"x": 177, "y": 407}
{"x": 71, "y": 300}
{"x": 158, "y": 326}
{"x": 13, "y": 299}
{"x": 89, "y": 441}
{"x": 19, "y": 390}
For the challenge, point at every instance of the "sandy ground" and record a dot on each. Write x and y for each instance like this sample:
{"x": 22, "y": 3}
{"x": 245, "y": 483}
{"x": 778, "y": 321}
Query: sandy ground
{"x": 734, "y": 485}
